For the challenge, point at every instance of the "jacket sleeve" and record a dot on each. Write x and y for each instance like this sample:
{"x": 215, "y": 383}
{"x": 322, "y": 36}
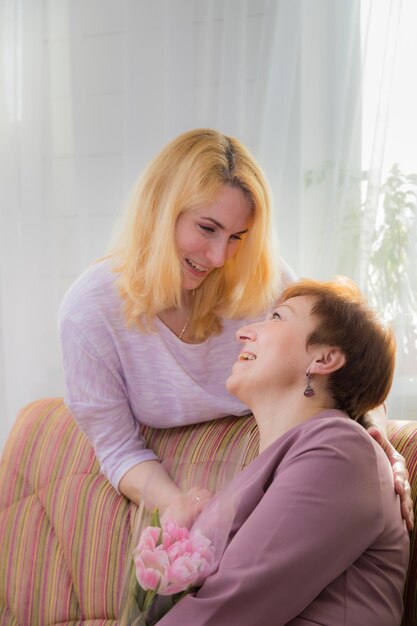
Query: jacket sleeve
{"x": 293, "y": 544}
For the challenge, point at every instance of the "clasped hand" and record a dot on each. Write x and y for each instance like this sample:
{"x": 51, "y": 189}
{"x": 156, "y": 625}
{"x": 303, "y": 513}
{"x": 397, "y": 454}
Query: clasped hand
{"x": 401, "y": 476}
{"x": 185, "y": 508}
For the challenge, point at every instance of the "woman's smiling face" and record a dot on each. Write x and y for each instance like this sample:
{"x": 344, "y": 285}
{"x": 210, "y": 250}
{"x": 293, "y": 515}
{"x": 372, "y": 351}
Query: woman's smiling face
{"x": 275, "y": 354}
{"x": 208, "y": 236}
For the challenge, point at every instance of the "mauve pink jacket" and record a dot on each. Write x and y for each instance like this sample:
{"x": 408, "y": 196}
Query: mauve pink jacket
{"x": 317, "y": 537}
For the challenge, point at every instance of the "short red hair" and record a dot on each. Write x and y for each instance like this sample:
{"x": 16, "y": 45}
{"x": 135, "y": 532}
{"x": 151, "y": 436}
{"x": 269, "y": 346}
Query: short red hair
{"x": 346, "y": 321}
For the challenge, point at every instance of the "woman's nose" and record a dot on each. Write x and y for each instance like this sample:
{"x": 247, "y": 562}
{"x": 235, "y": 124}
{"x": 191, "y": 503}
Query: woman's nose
{"x": 217, "y": 253}
{"x": 245, "y": 334}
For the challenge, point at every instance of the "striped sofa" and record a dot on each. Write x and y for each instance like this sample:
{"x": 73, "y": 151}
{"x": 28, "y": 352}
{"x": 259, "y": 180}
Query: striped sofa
{"x": 65, "y": 532}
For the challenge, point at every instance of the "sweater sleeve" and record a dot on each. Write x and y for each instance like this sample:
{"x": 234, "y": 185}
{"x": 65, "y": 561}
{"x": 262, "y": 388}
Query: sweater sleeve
{"x": 278, "y": 561}
{"x": 97, "y": 398}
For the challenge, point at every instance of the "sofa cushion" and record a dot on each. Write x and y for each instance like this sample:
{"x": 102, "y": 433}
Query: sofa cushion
{"x": 65, "y": 528}
{"x": 65, "y": 532}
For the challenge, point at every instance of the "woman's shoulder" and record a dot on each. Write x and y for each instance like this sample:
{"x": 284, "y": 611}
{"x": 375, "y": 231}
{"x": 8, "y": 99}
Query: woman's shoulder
{"x": 93, "y": 295}
{"x": 332, "y": 442}
{"x": 337, "y": 428}
{"x": 333, "y": 431}
{"x": 346, "y": 443}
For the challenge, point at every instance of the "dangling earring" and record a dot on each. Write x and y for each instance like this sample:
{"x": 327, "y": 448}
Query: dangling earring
{"x": 309, "y": 391}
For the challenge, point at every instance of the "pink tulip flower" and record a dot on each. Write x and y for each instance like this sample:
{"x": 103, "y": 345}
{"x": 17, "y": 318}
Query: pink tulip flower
{"x": 149, "y": 539}
{"x": 183, "y": 573}
{"x": 152, "y": 568}
{"x": 169, "y": 560}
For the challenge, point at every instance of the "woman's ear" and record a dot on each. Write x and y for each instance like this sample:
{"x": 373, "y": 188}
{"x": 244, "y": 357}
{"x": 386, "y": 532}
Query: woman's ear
{"x": 327, "y": 361}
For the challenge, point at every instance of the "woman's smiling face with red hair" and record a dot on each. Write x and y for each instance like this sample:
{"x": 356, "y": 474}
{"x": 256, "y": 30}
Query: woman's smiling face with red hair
{"x": 275, "y": 351}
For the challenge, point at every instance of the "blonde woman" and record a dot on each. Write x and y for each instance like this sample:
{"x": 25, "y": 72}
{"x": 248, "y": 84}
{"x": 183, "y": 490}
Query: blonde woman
{"x": 147, "y": 334}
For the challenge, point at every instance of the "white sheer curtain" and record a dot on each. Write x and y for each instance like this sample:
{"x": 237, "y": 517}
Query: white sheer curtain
{"x": 388, "y": 260}
{"x": 23, "y": 351}
{"x": 310, "y": 139}
{"x": 92, "y": 90}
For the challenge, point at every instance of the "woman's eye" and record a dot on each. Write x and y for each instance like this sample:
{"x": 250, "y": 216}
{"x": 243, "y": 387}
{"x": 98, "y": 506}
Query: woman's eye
{"x": 276, "y": 315}
{"x": 207, "y": 229}
{"x": 235, "y": 237}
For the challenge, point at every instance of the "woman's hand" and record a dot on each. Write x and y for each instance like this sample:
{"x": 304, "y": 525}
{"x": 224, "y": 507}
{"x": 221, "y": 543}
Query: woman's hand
{"x": 185, "y": 508}
{"x": 401, "y": 482}
{"x": 149, "y": 482}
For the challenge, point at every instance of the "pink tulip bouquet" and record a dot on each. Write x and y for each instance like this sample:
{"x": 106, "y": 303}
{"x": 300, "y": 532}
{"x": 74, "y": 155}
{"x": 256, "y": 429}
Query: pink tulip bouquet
{"x": 170, "y": 561}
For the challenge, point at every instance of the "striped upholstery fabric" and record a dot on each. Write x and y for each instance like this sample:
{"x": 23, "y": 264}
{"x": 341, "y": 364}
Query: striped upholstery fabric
{"x": 64, "y": 531}
{"x": 403, "y": 436}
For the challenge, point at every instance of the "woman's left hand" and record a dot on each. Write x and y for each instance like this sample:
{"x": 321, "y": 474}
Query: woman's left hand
{"x": 399, "y": 469}
{"x": 185, "y": 508}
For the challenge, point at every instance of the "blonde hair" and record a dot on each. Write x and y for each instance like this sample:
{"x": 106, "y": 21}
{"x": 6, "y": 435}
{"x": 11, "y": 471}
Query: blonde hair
{"x": 188, "y": 173}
